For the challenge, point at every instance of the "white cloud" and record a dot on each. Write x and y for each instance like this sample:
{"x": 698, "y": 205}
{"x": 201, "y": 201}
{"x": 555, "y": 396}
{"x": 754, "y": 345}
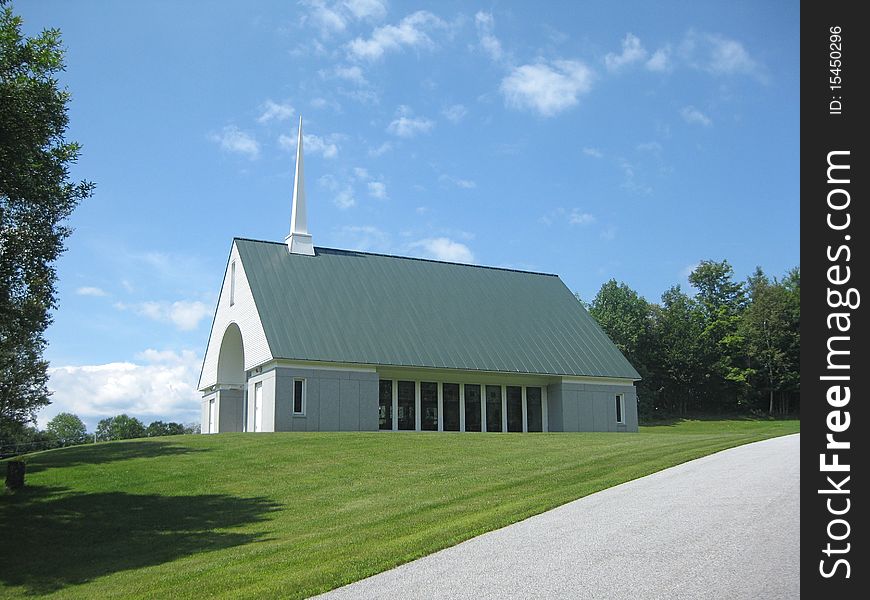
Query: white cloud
{"x": 410, "y": 32}
{"x": 274, "y": 111}
{"x": 353, "y": 74}
{"x": 407, "y": 126}
{"x": 366, "y": 9}
{"x": 693, "y": 116}
{"x": 328, "y": 18}
{"x": 577, "y": 217}
{"x": 719, "y": 55}
{"x": 377, "y": 190}
{"x": 593, "y": 152}
{"x": 161, "y": 385}
{"x": 313, "y": 144}
{"x": 361, "y": 173}
{"x": 364, "y": 238}
{"x": 547, "y": 89}
{"x": 608, "y": 233}
{"x": 490, "y": 44}
{"x": 632, "y": 52}
{"x": 183, "y": 314}
{"x": 445, "y": 249}
{"x": 91, "y": 291}
{"x": 660, "y": 60}
{"x": 232, "y": 139}
{"x": 380, "y": 150}
{"x": 343, "y": 193}
{"x": 455, "y": 113}
{"x": 465, "y": 184}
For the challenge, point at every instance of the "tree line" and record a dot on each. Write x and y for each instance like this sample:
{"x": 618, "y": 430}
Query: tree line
{"x": 67, "y": 429}
{"x": 731, "y": 348}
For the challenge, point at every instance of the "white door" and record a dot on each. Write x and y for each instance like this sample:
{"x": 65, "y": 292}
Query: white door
{"x": 211, "y": 416}
{"x": 258, "y": 407}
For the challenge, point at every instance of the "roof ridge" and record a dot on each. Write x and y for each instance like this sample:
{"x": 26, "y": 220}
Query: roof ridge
{"x": 432, "y": 260}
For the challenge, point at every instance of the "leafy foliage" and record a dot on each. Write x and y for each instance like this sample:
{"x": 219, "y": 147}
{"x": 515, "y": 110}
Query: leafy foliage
{"x": 159, "y": 428}
{"x": 36, "y": 197}
{"x": 67, "y": 429}
{"x": 121, "y": 427}
{"x": 732, "y": 347}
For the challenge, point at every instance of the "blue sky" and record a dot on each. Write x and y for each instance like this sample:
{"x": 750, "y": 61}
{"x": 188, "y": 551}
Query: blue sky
{"x": 595, "y": 140}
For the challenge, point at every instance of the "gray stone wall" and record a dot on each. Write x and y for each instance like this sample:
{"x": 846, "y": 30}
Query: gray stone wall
{"x": 590, "y": 407}
{"x": 334, "y": 400}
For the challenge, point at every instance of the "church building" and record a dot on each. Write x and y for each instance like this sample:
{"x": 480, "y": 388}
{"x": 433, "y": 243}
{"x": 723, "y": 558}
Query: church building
{"x": 306, "y": 338}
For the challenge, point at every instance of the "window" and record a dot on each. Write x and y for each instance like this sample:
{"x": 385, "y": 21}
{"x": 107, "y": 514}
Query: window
{"x": 428, "y": 406}
{"x": 385, "y": 405}
{"x": 211, "y": 423}
{"x": 258, "y": 406}
{"x": 298, "y": 396}
{"x": 472, "y": 407}
{"x": 514, "y": 408}
{"x": 620, "y": 408}
{"x": 450, "y": 402}
{"x": 232, "y": 283}
{"x": 406, "y": 406}
{"x": 493, "y": 408}
{"x": 534, "y": 414}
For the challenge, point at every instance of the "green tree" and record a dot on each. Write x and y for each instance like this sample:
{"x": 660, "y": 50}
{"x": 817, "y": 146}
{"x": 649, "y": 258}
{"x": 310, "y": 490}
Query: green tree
{"x": 67, "y": 429}
{"x": 159, "y": 428}
{"x": 121, "y": 427}
{"x": 625, "y": 316}
{"x": 36, "y": 197}
{"x": 722, "y": 353}
{"x": 771, "y": 328}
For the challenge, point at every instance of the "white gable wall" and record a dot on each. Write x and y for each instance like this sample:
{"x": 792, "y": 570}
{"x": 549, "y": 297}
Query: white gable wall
{"x": 244, "y": 313}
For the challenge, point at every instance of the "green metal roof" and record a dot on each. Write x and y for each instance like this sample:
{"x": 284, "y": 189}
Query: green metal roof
{"x": 357, "y": 307}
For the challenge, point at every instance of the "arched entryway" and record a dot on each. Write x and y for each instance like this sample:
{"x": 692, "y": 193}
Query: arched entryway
{"x": 226, "y": 410}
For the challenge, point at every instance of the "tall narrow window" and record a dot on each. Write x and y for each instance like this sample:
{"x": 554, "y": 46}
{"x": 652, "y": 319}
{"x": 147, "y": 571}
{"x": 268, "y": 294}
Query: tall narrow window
{"x": 620, "y": 408}
{"x": 472, "y": 407}
{"x": 428, "y": 406}
{"x": 514, "y": 408}
{"x": 298, "y": 396}
{"x": 533, "y": 409}
{"x": 450, "y": 401}
{"x": 258, "y": 406}
{"x": 493, "y": 408}
{"x": 406, "y": 406}
{"x": 232, "y": 283}
{"x": 385, "y": 405}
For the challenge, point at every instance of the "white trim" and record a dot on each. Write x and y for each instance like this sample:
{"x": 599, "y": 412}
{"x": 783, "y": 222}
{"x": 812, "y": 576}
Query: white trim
{"x": 504, "y": 421}
{"x": 440, "y": 405}
{"x": 545, "y": 419}
{"x": 599, "y": 380}
{"x": 462, "y": 407}
{"x": 525, "y": 412}
{"x": 258, "y": 403}
{"x": 417, "y": 403}
{"x": 233, "y": 283}
{"x": 395, "y": 393}
{"x": 304, "y": 395}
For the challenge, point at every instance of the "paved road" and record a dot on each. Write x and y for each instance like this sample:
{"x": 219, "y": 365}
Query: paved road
{"x": 723, "y": 526}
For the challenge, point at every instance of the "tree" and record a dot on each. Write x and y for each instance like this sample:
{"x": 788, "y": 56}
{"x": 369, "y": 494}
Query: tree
{"x": 67, "y": 429}
{"x": 36, "y": 197}
{"x": 121, "y": 427}
{"x": 159, "y": 428}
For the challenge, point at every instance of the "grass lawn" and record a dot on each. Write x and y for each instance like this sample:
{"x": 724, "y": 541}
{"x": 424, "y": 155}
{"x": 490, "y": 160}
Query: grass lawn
{"x": 287, "y": 515}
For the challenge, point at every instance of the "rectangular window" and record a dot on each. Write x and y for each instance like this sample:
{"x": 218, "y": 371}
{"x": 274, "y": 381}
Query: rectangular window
{"x": 232, "y": 283}
{"x": 211, "y": 423}
{"x": 533, "y": 409}
{"x": 428, "y": 406}
{"x": 493, "y": 408}
{"x": 620, "y": 408}
{"x": 258, "y": 407}
{"x": 450, "y": 401}
{"x": 406, "y": 406}
{"x": 472, "y": 407}
{"x": 514, "y": 408}
{"x": 385, "y": 405}
{"x": 298, "y": 396}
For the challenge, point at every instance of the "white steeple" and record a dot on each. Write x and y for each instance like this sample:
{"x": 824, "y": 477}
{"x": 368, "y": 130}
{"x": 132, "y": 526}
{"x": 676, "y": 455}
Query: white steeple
{"x": 299, "y": 241}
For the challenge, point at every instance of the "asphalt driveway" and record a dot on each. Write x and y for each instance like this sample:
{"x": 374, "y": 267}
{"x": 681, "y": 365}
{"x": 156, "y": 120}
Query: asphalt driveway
{"x": 723, "y": 526}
